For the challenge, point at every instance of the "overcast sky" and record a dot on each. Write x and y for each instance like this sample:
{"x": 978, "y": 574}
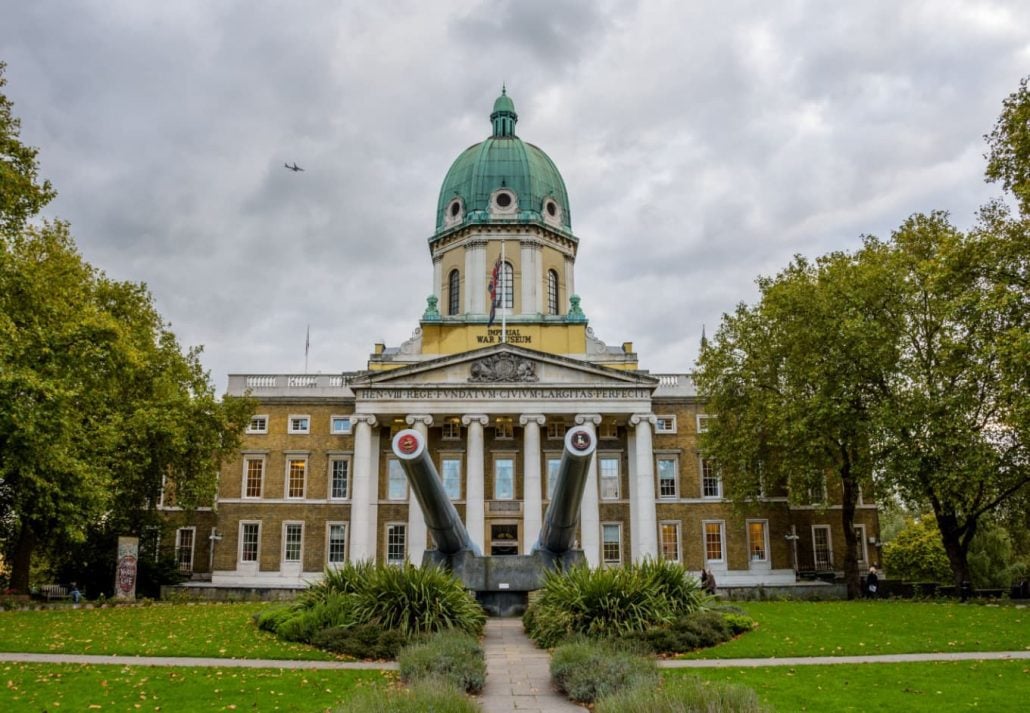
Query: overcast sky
{"x": 702, "y": 143}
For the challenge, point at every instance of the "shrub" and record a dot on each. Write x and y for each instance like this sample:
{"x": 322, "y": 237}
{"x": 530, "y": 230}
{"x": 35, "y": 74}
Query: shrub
{"x": 589, "y": 670}
{"x": 693, "y": 631}
{"x": 417, "y": 600}
{"x": 675, "y": 583}
{"x": 685, "y": 694}
{"x": 739, "y": 623}
{"x": 917, "y": 555}
{"x": 304, "y": 622}
{"x": 450, "y": 656}
{"x": 437, "y": 697}
{"x": 362, "y": 641}
{"x": 346, "y": 579}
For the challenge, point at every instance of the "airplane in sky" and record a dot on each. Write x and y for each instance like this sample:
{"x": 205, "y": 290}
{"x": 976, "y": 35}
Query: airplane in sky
{"x": 294, "y": 167}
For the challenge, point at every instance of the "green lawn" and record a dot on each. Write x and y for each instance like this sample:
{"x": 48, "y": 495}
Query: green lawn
{"x": 66, "y": 687}
{"x": 878, "y": 627}
{"x": 220, "y": 630}
{"x": 938, "y": 687}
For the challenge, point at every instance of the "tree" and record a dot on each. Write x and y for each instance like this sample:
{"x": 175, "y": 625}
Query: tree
{"x": 1008, "y": 157}
{"x": 99, "y": 407}
{"x": 790, "y": 380}
{"x": 916, "y": 554}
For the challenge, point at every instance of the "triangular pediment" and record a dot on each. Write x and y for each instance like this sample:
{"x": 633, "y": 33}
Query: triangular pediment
{"x": 505, "y": 365}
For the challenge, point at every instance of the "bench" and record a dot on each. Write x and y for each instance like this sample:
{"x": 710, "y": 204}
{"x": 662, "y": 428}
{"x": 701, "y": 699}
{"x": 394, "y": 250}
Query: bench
{"x": 54, "y": 591}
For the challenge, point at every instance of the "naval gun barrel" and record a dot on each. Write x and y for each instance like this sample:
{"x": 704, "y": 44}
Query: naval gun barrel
{"x": 442, "y": 519}
{"x": 562, "y": 518}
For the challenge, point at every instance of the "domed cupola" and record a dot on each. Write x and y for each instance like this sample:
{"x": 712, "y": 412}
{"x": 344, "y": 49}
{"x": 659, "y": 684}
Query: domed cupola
{"x": 503, "y": 180}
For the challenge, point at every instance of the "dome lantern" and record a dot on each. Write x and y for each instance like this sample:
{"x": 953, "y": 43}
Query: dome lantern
{"x": 503, "y": 116}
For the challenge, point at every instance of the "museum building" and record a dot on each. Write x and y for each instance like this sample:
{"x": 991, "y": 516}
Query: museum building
{"x": 502, "y": 363}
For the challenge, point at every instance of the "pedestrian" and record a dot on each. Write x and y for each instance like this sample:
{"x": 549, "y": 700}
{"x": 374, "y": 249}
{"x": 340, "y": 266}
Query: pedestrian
{"x": 75, "y": 593}
{"x": 708, "y": 583}
{"x": 872, "y": 583}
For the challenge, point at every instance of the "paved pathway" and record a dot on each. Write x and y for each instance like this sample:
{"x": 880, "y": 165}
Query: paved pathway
{"x": 518, "y": 676}
{"x": 99, "y": 660}
{"x": 821, "y": 660}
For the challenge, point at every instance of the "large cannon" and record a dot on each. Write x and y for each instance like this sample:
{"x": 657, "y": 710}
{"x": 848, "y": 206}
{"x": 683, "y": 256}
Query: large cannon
{"x": 501, "y": 583}
{"x": 442, "y": 519}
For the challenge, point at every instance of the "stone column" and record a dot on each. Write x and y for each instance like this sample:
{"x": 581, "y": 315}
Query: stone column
{"x": 365, "y": 496}
{"x": 475, "y": 506}
{"x": 644, "y": 527}
{"x": 531, "y": 278}
{"x": 590, "y": 513}
{"x": 532, "y": 495}
{"x": 570, "y": 283}
{"x": 416, "y": 518}
{"x": 438, "y": 281}
{"x": 475, "y": 277}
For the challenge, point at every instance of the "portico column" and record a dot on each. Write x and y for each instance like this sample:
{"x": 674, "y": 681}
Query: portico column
{"x": 532, "y": 498}
{"x": 475, "y": 277}
{"x": 416, "y": 518}
{"x": 644, "y": 526}
{"x": 475, "y": 507}
{"x": 590, "y": 513}
{"x": 363, "y": 520}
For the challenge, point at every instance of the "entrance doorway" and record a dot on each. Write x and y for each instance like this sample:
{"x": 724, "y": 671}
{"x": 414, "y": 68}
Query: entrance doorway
{"x": 504, "y": 538}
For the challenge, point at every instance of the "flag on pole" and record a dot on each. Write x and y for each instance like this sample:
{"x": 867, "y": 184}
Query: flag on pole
{"x": 495, "y": 291}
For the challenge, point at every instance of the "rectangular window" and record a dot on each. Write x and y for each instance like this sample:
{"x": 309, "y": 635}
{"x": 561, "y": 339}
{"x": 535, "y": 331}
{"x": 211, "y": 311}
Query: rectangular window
{"x": 299, "y": 424}
{"x": 611, "y": 543}
{"x": 608, "y": 429}
{"x": 504, "y": 428}
{"x": 552, "y": 475}
{"x": 339, "y": 478}
{"x": 450, "y": 473}
{"x": 184, "y": 539}
{"x": 253, "y": 477}
{"x": 340, "y": 425}
{"x": 556, "y": 430}
{"x": 669, "y": 536}
{"x": 665, "y": 424}
{"x": 451, "y": 429}
{"x": 296, "y": 474}
{"x": 258, "y": 424}
{"x": 758, "y": 540}
{"x": 702, "y": 422}
{"x": 250, "y": 533}
{"x": 608, "y": 469}
{"x": 668, "y": 476}
{"x": 711, "y": 480}
{"x": 336, "y": 546}
{"x": 396, "y": 543}
{"x": 293, "y": 537}
{"x": 504, "y": 479}
{"x": 397, "y": 481}
{"x": 713, "y": 541}
{"x": 816, "y": 493}
{"x": 822, "y": 551}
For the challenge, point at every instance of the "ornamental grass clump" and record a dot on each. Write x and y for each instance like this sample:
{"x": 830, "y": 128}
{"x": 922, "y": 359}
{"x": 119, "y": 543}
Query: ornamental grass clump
{"x": 438, "y": 697}
{"x": 688, "y": 694}
{"x": 449, "y": 656}
{"x": 588, "y": 670}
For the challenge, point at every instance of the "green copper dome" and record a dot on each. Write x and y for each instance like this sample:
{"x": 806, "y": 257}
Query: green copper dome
{"x": 503, "y": 179}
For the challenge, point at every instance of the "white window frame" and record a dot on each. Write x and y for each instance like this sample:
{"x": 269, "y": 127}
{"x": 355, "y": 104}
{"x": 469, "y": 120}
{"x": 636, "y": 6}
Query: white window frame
{"x": 722, "y": 541}
{"x": 665, "y": 423}
{"x": 328, "y": 541}
{"x": 333, "y": 459}
{"x": 618, "y": 476}
{"x": 392, "y": 526}
{"x": 548, "y": 484}
{"x": 702, "y": 421}
{"x": 334, "y": 431}
{"x": 240, "y": 544}
{"x": 555, "y": 430}
{"x": 765, "y": 544}
{"x": 450, "y": 429}
{"x": 675, "y": 479}
{"x": 608, "y": 429}
{"x": 290, "y": 459}
{"x": 282, "y": 553}
{"x": 863, "y": 545}
{"x": 829, "y": 546}
{"x": 247, "y": 460}
{"x": 389, "y": 475}
{"x": 514, "y": 475}
{"x": 291, "y": 427}
{"x": 461, "y": 473}
{"x": 679, "y": 540}
{"x": 250, "y": 426}
{"x": 504, "y": 429}
{"x": 178, "y": 548}
{"x": 604, "y": 558}
{"x": 718, "y": 478}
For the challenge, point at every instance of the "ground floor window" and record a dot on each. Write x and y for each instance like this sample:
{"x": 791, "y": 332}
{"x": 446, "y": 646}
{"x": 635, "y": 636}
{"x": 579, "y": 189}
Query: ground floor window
{"x": 822, "y": 550}
{"x": 184, "y": 539}
{"x": 863, "y": 553}
{"x": 250, "y": 537}
{"x": 396, "y": 543}
{"x": 397, "y": 481}
{"x": 669, "y": 540}
{"x": 611, "y": 543}
{"x": 293, "y": 538}
{"x": 713, "y": 541}
{"x": 757, "y": 540}
{"x": 336, "y": 547}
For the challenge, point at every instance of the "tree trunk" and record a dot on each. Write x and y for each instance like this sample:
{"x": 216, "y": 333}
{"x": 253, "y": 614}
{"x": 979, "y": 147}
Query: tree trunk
{"x": 956, "y": 545}
{"x": 849, "y": 499}
{"x": 22, "y": 560}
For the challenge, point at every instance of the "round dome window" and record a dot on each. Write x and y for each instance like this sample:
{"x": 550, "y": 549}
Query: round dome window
{"x": 503, "y": 200}
{"x": 455, "y": 208}
{"x": 552, "y": 208}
